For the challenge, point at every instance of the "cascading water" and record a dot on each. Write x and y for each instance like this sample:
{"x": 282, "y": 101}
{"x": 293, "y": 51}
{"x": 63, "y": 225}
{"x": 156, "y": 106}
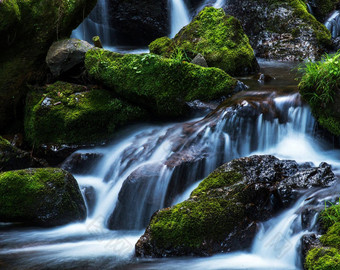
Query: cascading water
{"x": 179, "y": 16}
{"x": 333, "y": 24}
{"x": 151, "y": 167}
{"x": 96, "y": 24}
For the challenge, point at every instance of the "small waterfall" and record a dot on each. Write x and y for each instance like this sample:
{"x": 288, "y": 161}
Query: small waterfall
{"x": 213, "y": 3}
{"x": 333, "y": 24}
{"x": 96, "y": 24}
{"x": 179, "y": 16}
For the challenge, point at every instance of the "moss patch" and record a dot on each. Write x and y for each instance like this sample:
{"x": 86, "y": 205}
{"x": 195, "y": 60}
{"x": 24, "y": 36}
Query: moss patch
{"x": 161, "y": 85}
{"x": 40, "y": 196}
{"x": 192, "y": 222}
{"x": 320, "y": 87}
{"x": 323, "y": 259}
{"x": 68, "y": 113}
{"x": 219, "y": 38}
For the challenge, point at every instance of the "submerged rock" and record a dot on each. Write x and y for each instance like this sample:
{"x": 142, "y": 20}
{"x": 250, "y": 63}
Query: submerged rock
{"x": 219, "y": 38}
{"x": 75, "y": 114}
{"x": 66, "y": 54}
{"x": 27, "y": 30}
{"x": 222, "y": 213}
{"x": 160, "y": 85}
{"x": 45, "y": 197}
{"x": 281, "y": 29}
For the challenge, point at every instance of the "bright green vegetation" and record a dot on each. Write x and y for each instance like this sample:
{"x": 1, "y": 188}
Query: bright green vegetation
{"x": 219, "y": 38}
{"x": 323, "y": 259}
{"x": 27, "y": 29}
{"x": 40, "y": 196}
{"x": 68, "y": 113}
{"x": 328, "y": 256}
{"x": 319, "y": 86}
{"x": 208, "y": 215}
{"x": 160, "y": 85}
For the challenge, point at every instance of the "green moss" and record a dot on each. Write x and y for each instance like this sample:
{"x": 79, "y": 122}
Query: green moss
{"x": 219, "y": 38}
{"x": 319, "y": 86}
{"x": 75, "y": 114}
{"x": 33, "y": 195}
{"x": 161, "y": 85}
{"x": 27, "y": 29}
{"x": 323, "y": 259}
{"x": 332, "y": 237}
{"x": 206, "y": 216}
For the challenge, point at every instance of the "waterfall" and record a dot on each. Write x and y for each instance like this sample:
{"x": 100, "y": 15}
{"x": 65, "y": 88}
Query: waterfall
{"x": 96, "y": 24}
{"x": 333, "y": 24}
{"x": 154, "y": 166}
{"x": 179, "y": 16}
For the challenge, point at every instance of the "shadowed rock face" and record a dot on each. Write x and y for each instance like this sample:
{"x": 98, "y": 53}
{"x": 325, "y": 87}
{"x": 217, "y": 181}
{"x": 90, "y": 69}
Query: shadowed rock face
{"x": 139, "y": 22}
{"x": 282, "y": 30}
{"x": 222, "y": 212}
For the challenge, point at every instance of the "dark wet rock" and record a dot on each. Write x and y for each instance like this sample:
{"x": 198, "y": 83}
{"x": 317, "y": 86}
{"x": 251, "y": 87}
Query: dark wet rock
{"x": 81, "y": 163}
{"x": 262, "y": 78}
{"x": 66, "y": 54}
{"x": 44, "y": 197}
{"x": 13, "y": 158}
{"x": 222, "y": 212}
{"x": 139, "y": 22}
{"x": 199, "y": 60}
{"x": 282, "y": 30}
{"x": 90, "y": 198}
{"x": 308, "y": 242}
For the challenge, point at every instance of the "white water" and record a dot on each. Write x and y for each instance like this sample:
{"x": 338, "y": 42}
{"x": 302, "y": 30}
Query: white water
{"x": 220, "y": 137}
{"x": 333, "y": 24}
{"x": 179, "y": 16}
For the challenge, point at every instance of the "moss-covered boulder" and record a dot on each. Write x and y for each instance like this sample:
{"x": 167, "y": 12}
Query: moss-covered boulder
{"x": 45, "y": 197}
{"x": 12, "y": 158}
{"x": 319, "y": 86}
{"x": 218, "y": 37}
{"x": 162, "y": 86}
{"x": 74, "y": 114}
{"x": 327, "y": 255}
{"x": 281, "y": 29}
{"x": 222, "y": 212}
{"x": 27, "y": 30}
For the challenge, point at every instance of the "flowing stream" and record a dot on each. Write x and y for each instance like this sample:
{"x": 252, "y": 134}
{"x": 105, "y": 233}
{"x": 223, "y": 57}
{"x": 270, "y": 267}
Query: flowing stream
{"x": 142, "y": 171}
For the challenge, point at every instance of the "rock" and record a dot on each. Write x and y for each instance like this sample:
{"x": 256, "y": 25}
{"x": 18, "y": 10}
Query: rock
{"x": 66, "y": 54}
{"x": 322, "y": 8}
{"x": 308, "y": 242}
{"x": 90, "y": 199}
{"x": 199, "y": 60}
{"x": 12, "y": 158}
{"x": 81, "y": 163}
{"x": 139, "y": 22}
{"x": 75, "y": 114}
{"x": 44, "y": 197}
{"x": 160, "y": 85}
{"x": 218, "y": 37}
{"x": 280, "y": 29}
{"x": 27, "y": 30}
{"x": 222, "y": 212}
{"x": 320, "y": 90}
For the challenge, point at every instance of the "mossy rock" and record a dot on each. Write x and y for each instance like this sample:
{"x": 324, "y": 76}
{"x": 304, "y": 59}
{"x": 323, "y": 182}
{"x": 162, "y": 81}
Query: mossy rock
{"x": 222, "y": 212}
{"x": 319, "y": 86}
{"x": 75, "y": 114}
{"x": 45, "y": 197}
{"x": 12, "y": 158}
{"x": 323, "y": 259}
{"x": 27, "y": 30}
{"x": 161, "y": 85}
{"x": 281, "y": 29}
{"x": 218, "y": 37}
{"x": 321, "y": 8}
